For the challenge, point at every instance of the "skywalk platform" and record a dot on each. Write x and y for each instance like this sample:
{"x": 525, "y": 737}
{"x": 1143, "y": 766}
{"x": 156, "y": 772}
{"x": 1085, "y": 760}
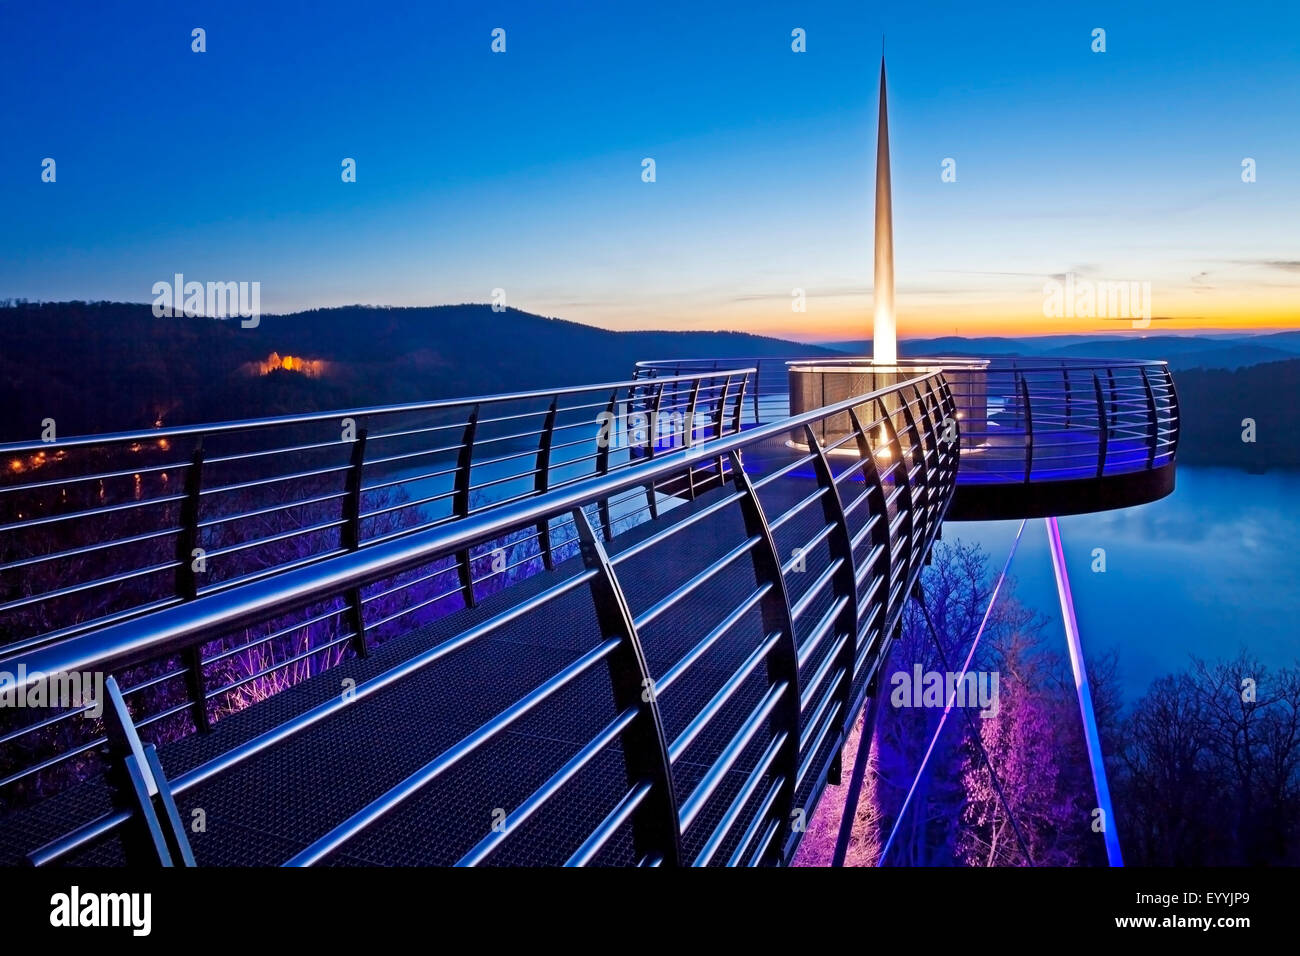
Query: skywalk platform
{"x": 667, "y": 679}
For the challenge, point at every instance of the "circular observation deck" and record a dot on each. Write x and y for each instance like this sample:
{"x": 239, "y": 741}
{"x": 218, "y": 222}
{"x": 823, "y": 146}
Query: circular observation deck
{"x": 1037, "y": 438}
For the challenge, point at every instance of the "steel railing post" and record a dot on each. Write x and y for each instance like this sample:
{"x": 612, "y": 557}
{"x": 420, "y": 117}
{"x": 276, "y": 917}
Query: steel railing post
{"x": 689, "y": 425}
{"x": 943, "y": 447}
{"x": 350, "y": 535}
{"x": 783, "y": 661}
{"x": 1155, "y": 419}
{"x": 655, "y": 825}
{"x": 1176, "y": 419}
{"x": 542, "y": 480}
{"x": 927, "y": 424}
{"x": 948, "y": 413}
{"x": 720, "y": 410}
{"x": 689, "y": 436}
{"x": 720, "y": 423}
{"x": 880, "y": 535}
{"x": 1015, "y": 379}
{"x": 1102, "y": 430}
{"x": 1029, "y": 429}
{"x": 1065, "y": 373}
{"x": 652, "y": 428}
{"x": 914, "y": 440}
{"x": 187, "y": 585}
{"x": 845, "y": 580}
{"x": 460, "y": 503}
{"x": 602, "y": 457}
{"x": 652, "y": 496}
{"x": 740, "y": 404}
{"x": 951, "y": 410}
{"x": 901, "y": 478}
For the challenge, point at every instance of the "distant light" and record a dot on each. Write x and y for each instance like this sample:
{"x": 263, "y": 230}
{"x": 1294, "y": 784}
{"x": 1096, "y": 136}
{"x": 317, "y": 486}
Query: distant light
{"x": 882, "y": 446}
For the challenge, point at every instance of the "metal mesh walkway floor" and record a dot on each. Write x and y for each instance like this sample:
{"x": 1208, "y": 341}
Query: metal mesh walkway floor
{"x": 268, "y": 808}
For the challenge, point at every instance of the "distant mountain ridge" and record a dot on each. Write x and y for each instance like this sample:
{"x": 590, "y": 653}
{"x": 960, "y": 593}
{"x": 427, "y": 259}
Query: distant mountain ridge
{"x": 101, "y": 367}
{"x": 1210, "y": 351}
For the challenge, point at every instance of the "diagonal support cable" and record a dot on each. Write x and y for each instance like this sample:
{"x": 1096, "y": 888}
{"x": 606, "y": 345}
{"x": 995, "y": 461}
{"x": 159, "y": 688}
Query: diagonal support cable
{"x": 975, "y": 733}
{"x": 970, "y": 656}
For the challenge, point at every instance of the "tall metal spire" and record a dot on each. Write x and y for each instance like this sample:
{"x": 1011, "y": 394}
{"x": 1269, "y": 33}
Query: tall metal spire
{"x": 884, "y": 334}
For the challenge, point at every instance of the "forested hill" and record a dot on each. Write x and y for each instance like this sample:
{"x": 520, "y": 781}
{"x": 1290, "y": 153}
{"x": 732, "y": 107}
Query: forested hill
{"x": 1217, "y": 406}
{"x": 96, "y": 367}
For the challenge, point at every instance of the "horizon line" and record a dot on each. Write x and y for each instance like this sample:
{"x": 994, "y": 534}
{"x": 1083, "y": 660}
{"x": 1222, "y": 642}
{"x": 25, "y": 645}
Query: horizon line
{"x": 808, "y": 338}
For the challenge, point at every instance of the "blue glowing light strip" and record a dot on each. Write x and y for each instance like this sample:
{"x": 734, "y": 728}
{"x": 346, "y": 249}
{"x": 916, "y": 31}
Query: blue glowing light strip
{"x": 1113, "y": 856}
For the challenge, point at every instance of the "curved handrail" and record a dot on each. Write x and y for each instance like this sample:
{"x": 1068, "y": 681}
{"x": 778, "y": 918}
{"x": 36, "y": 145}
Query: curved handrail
{"x": 994, "y": 394}
{"x": 1038, "y": 420}
{"x": 165, "y": 631}
{"x": 818, "y": 667}
{"x": 97, "y": 527}
{"x": 242, "y": 425}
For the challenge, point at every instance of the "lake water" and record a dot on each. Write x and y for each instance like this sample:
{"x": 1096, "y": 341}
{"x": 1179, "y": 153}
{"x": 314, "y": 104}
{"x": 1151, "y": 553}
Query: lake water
{"x": 1203, "y": 572}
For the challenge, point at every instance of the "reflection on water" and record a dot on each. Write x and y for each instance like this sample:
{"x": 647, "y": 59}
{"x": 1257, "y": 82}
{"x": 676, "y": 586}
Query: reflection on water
{"x": 1209, "y": 569}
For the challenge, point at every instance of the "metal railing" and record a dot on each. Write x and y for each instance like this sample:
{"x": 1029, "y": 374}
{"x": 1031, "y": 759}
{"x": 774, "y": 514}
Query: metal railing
{"x": 96, "y": 529}
{"x": 1029, "y": 420}
{"x": 1022, "y": 419}
{"x": 737, "y": 634}
{"x": 767, "y": 397}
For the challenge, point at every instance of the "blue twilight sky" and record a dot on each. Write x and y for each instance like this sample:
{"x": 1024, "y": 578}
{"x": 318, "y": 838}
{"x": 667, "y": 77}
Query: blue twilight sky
{"x": 522, "y": 170}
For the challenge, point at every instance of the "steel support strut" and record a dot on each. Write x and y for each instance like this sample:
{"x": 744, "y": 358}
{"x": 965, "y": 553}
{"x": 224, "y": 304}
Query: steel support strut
{"x": 350, "y": 537}
{"x": 140, "y": 787}
{"x": 783, "y": 661}
{"x": 845, "y": 581}
{"x": 860, "y": 758}
{"x": 542, "y": 480}
{"x": 1090, "y": 736}
{"x": 187, "y": 585}
{"x": 460, "y": 504}
{"x": 656, "y": 830}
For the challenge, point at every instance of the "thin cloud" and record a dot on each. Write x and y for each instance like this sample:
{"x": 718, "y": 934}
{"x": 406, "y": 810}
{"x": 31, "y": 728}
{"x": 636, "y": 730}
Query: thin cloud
{"x": 1286, "y": 265}
{"x": 1154, "y": 318}
{"x": 831, "y": 293}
